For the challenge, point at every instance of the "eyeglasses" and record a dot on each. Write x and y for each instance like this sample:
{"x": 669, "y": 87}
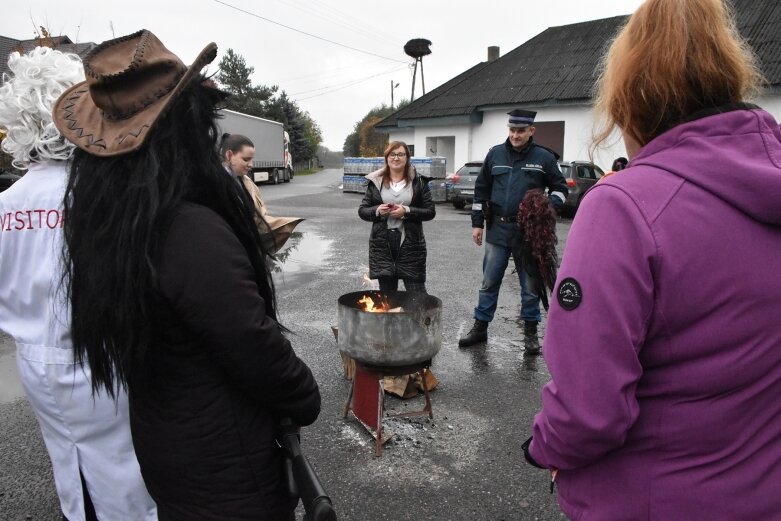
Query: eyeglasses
{"x": 399, "y": 155}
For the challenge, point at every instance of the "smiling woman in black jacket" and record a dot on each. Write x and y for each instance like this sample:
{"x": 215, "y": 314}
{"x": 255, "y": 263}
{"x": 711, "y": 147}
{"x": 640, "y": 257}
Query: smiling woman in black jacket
{"x": 397, "y": 201}
{"x": 171, "y": 296}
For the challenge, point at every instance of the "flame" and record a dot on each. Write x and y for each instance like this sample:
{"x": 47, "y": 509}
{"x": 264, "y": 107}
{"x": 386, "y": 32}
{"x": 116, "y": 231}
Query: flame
{"x": 367, "y": 304}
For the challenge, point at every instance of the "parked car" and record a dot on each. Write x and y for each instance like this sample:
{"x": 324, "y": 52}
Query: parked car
{"x": 7, "y": 179}
{"x": 463, "y": 190}
{"x": 580, "y": 176}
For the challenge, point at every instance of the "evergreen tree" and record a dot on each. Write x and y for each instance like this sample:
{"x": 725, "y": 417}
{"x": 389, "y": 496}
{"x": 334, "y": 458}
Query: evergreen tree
{"x": 263, "y": 101}
{"x": 234, "y": 77}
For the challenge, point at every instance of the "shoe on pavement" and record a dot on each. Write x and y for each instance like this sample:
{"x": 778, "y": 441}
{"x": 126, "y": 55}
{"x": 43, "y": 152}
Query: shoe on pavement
{"x": 530, "y": 341}
{"x": 476, "y": 335}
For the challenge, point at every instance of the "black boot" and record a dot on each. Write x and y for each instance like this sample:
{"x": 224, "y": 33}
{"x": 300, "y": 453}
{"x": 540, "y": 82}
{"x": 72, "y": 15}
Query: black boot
{"x": 478, "y": 333}
{"x": 530, "y": 340}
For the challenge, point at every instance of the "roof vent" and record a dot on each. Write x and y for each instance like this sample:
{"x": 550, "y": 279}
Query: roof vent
{"x": 493, "y": 53}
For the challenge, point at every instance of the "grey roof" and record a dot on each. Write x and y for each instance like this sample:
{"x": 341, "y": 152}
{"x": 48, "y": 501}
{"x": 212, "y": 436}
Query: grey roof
{"x": 759, "y": 22}
{"x": 61, "y": 43}
{"x": 560, "y": 65}
{"x": 7, "y": 46}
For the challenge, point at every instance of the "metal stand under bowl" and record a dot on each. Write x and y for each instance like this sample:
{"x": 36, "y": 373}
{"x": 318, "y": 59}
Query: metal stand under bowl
{"x": 366, "y": 398}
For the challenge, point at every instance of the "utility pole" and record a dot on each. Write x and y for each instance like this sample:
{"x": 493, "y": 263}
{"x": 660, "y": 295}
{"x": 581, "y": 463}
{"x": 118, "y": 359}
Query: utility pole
{"x": 392, "y": 87}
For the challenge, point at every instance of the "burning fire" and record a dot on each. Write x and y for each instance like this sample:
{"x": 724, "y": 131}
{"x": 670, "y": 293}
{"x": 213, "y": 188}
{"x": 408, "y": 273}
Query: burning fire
{"x": 367, "y": 304}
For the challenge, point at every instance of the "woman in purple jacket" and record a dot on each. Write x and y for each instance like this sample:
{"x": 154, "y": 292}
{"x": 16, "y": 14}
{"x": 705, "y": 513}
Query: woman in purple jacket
{"x": 664, "y": 339}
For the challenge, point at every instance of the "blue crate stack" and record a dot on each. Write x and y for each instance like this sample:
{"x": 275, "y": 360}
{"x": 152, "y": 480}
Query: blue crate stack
{"x": 356, "y": 168}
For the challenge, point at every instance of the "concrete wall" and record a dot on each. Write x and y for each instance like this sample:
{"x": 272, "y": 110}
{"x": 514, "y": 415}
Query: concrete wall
{"x": 772, "y": 105}
{"x": 403, "y": 134}
{"x": 491, "y": 132}
{"x": 452, "y": 142}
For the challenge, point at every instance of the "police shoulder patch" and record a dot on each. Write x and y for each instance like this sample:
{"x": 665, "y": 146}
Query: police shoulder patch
{"x": 569, "y": 294}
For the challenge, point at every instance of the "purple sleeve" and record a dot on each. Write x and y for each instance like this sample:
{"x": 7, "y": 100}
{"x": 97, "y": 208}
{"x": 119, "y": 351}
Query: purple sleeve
{"x": 592, "y": 349}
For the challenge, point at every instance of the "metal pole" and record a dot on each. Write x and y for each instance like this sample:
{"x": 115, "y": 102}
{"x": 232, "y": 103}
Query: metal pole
{"x": 414, "y": 74}
{"x": 422, "y": 79}
{"x": 391, "y": 93}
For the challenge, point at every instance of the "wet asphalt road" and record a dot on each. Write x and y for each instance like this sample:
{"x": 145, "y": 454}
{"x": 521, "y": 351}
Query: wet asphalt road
{"x": 466, "y": 464}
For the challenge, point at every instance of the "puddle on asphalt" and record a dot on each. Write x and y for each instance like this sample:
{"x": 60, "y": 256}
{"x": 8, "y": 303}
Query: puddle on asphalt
{"x": 10, "y": 386}
{"x": 303, "y": 251}
{"x": 502, "y": 353}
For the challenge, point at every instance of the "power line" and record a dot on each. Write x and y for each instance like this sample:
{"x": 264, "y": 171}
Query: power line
{"x": 373, "y": 30}
{"x": 330, "y": 72}
{"x": 306, "y": 33}
{"x": 388, "y": 71}
{"x": 351, "y": 84}
{"x": 327, "y": 14}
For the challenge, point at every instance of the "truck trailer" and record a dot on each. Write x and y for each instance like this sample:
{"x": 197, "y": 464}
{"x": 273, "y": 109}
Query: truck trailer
{"x": 272, "y": 162}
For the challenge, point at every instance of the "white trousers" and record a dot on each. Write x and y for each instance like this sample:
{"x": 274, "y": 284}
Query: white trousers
{"x": 84, "y": 432}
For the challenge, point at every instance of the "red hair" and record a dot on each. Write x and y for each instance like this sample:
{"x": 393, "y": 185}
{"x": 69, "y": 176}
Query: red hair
{"x": 537, "y": 219}
{"x": 671, "y": 59}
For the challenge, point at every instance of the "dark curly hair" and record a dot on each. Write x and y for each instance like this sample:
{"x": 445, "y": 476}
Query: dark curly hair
{"x": 537, "y": 219}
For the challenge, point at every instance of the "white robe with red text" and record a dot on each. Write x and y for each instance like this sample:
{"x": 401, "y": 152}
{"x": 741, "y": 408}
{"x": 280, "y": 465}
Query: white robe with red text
{"x": 81, "y": 431}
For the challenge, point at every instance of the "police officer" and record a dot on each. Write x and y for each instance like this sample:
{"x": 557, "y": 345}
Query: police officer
{"x": 509, "y": 170}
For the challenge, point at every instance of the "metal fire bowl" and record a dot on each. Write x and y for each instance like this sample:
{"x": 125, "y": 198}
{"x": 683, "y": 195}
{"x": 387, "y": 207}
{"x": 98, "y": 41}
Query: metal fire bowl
{"x": 391, "y": 339}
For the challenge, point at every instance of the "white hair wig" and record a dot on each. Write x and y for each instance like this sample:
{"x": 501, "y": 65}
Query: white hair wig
{"x": 26, "y": 101}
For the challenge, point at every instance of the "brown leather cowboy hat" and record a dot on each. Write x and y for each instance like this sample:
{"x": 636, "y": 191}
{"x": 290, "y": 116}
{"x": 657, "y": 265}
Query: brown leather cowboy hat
{"x": 131, "y": 81}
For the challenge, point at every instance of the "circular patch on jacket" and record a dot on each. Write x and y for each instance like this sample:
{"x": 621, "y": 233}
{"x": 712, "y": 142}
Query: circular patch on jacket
{"x": 569, "y": 294}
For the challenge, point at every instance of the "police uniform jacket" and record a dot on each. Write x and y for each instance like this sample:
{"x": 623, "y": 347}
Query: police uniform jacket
{"x": 503, "y": 181}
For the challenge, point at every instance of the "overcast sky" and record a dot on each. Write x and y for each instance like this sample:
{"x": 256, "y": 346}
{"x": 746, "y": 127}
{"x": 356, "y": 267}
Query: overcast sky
{"x": 335, "y": 84}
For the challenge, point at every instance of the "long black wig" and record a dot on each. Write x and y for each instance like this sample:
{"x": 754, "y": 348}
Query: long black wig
{"x": 117, "y": 212}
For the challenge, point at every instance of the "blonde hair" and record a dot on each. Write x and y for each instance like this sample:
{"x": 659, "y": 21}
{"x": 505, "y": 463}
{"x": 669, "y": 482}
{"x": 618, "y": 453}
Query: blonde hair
{"x": 26, "y": 101}
{"x": 671, "y": 59}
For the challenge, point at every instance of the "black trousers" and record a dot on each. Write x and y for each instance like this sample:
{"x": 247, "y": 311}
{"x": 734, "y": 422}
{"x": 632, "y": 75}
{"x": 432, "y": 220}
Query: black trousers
{"x": 392, "y": 283}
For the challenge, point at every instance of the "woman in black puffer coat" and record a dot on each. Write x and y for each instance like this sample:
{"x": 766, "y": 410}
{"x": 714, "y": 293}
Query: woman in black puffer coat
{"x": 397, "y": 201}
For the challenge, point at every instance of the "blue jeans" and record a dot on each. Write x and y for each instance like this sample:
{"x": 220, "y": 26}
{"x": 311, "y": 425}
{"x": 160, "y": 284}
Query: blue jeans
{"x": 494, "y": 265}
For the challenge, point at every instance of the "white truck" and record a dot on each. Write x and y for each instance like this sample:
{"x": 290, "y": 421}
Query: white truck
{"x": 272, "y": 162}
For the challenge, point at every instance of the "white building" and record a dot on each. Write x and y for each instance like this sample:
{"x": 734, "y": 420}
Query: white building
{"x": 554, "y": 74}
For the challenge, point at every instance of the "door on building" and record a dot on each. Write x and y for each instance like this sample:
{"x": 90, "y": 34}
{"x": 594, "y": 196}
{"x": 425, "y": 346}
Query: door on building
{"x": 550, "y": 134}
{"x": 443, "y": 146}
